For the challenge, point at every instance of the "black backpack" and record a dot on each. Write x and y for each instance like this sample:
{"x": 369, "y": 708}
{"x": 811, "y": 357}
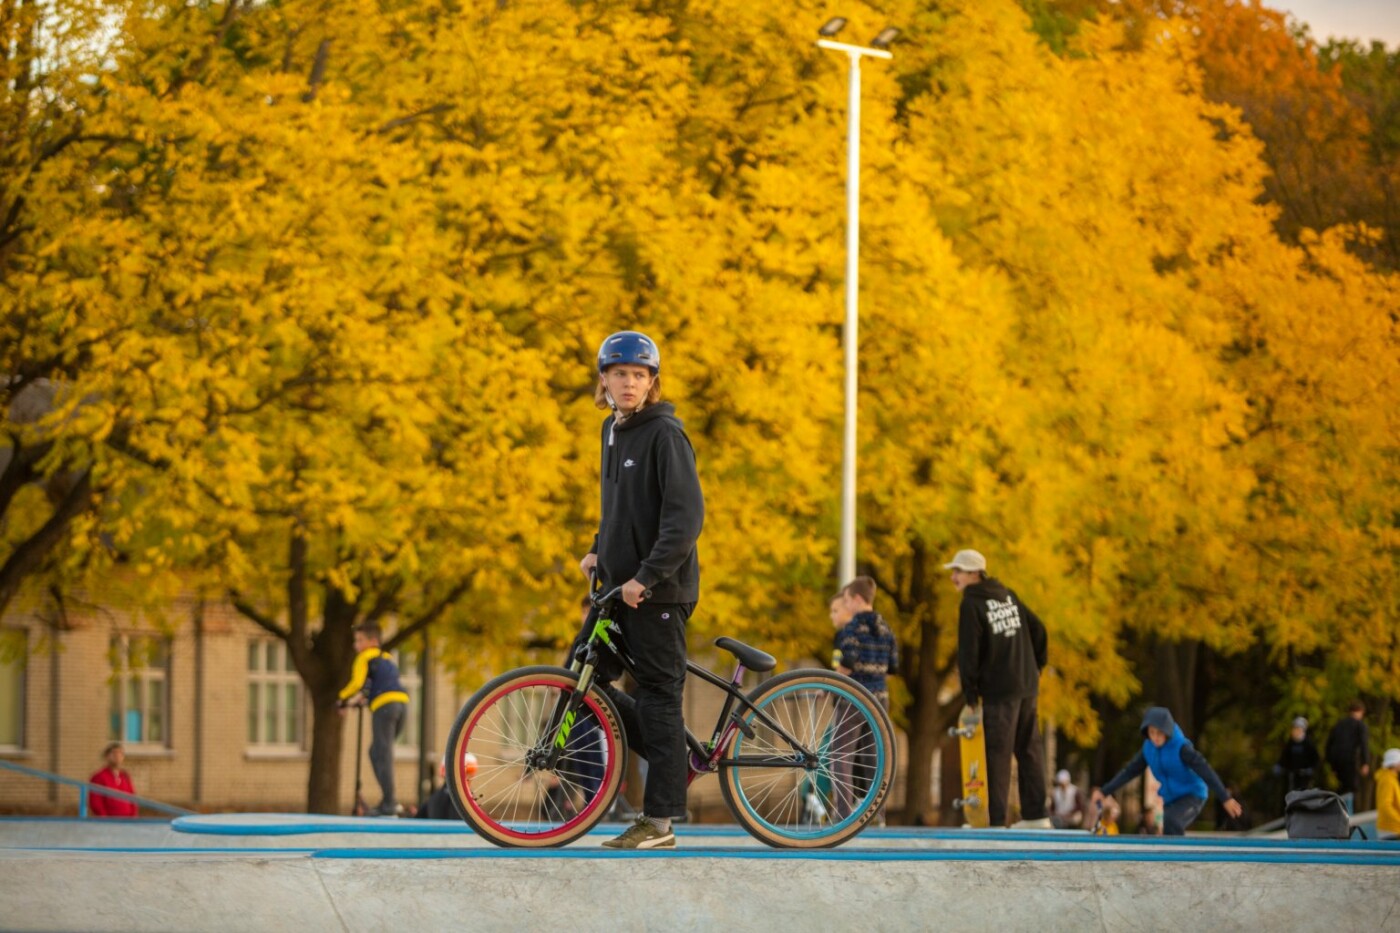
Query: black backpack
{"x": 1317, "y": 814}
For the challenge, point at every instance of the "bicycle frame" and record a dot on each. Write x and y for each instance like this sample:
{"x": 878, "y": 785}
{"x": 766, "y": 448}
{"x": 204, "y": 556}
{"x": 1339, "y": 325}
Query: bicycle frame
{"x": 704, "y": 756}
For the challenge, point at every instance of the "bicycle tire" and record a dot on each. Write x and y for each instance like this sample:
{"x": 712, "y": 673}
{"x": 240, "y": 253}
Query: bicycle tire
{"x": 770, "y": 801}
{"x": 510, "y": 802}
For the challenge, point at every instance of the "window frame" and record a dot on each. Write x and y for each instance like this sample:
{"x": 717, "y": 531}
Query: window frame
{"x": 122, "y": 676}
{"x": 256, "y": 741}
{"x": 408, "y": 743}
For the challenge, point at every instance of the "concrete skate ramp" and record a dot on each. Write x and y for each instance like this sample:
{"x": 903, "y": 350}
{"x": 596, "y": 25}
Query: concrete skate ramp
{"x": 892, "y": 880}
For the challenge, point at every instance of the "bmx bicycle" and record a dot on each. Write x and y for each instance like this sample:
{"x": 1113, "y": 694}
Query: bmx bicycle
{"x": 536, "y": 756}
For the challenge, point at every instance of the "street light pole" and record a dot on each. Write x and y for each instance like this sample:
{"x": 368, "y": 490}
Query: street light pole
{"x": 851, "y": 342}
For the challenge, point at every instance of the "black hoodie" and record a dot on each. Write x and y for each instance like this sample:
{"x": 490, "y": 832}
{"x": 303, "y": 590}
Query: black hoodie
{"x": 1001, "y": 644}
{"x": 652, "y": 506}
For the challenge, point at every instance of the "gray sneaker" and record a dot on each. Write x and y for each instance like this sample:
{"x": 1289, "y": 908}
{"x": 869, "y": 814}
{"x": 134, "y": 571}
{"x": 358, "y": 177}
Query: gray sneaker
{"x": 642, "y": 835}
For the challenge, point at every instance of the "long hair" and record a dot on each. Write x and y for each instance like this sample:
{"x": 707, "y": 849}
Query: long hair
{"x": 600, "y": 393}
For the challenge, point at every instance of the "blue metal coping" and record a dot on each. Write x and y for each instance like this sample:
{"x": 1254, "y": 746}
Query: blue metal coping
{"x": 253, "y": 827}
{"x": 830, "y": 855}
{"x": 408, "y": 827}
{"x": 881, "y": 855}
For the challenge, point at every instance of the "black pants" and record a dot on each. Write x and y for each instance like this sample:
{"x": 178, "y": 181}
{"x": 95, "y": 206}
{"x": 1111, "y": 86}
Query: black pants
{"x": 385, "y": 725}
{"x": 654, "y": 637}
{"x": 1011, "y": 728}
{"x": 1348, "y": 775}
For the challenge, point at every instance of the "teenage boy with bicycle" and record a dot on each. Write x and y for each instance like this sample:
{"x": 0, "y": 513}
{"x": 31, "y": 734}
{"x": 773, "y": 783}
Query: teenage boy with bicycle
{"x": 652, "y": 513}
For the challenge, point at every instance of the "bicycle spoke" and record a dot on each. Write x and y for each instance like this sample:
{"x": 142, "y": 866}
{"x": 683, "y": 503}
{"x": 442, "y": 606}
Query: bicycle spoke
{"x": 832, "y": 797}
{"x": 524, "y": 790}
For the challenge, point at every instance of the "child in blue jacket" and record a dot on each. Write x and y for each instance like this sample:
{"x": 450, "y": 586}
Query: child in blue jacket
{"x": 1185, "y": 775}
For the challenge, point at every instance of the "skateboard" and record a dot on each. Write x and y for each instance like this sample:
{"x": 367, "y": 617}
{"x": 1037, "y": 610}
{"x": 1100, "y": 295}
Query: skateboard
{"x": 972, "y": 749}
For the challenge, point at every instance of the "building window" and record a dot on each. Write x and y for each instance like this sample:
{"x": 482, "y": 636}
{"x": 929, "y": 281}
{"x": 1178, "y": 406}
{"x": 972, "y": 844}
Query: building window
{"x": 411, "y": 676}
{"x": 14, "y": 650}
{"x": 276, "y": 715}
{"x": 140, "y": 701}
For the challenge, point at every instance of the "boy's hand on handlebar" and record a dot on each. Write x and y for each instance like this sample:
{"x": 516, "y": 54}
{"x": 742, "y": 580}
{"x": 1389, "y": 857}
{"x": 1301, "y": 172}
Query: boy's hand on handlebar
{"x": 589, "y": 562}
{"x": 633, "y": 593}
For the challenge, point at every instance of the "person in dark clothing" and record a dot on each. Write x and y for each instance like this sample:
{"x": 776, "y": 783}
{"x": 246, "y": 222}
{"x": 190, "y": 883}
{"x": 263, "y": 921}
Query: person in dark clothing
{"x": 1298, "y": 759}
{"x": 374, "y": 681}
{"x": 865, "y": 642}
{"x": 1001, "y": 652}
{"x": 1183, "y": 773}
{"x": 867, "y": 652}
{"x": 1348, "y": 749}
{"x": 652, "y": 514}
{"x": 439, "y": 805}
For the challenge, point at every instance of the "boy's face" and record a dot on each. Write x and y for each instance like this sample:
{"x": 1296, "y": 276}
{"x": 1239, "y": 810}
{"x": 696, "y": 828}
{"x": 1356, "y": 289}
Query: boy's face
{"x": 962, "y": 578}
{"x": 840, "y": 612}
{"x": 1298, "y": 732}
{"x": 362, "y": 641}
{"x": 628, "y": 384}
{"x": 1156, "y": 736}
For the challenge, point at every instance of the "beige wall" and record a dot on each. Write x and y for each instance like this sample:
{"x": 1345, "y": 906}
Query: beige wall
{"x": 207, "y": 762}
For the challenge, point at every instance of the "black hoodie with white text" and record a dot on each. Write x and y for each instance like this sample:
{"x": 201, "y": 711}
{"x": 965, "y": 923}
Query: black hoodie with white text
{"x": 652, "y": 507}
{"x": 1001, "y": 644}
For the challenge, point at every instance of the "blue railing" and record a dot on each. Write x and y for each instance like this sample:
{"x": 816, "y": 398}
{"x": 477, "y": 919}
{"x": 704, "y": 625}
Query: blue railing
{"x": 87, "y": 787}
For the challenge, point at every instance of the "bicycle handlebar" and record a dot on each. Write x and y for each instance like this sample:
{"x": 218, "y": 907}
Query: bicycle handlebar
{"x": 600, "y": 600}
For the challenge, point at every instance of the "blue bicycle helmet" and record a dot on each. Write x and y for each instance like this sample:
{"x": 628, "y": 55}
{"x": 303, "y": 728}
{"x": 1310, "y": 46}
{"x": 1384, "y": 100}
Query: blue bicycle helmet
{"x": 629, "y": 346}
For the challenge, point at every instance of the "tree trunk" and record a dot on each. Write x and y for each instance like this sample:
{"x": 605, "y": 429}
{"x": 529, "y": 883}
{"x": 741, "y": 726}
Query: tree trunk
{"x": 332, "y": 657}
{"x": 928, "y": 721}
{"x": 1176, "y": 682}
{"x": 323, "y": 782}
{"x": 926, "y": 727}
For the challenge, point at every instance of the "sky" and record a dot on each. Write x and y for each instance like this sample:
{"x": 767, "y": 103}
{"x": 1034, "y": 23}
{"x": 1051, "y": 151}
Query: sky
{"x": 1346, "y": 19}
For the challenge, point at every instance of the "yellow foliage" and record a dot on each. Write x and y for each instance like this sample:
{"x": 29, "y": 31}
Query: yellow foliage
{"x": 319, "y": 286}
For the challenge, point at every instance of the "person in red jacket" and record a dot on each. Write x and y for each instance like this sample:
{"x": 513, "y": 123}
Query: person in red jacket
{"x": 114, "y": 777}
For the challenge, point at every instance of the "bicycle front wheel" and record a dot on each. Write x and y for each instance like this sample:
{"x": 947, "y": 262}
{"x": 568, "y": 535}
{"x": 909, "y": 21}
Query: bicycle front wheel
{"x": 507, "y": 779}
{"x": 791, "y": 802}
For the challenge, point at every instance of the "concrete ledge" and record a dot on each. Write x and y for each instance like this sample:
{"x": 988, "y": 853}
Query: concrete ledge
{"x": 298, "y": 891}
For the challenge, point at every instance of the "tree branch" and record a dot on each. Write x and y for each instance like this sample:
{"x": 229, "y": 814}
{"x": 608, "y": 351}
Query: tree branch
{"x": 265, "y": 622}
{"x": 410, "y": 118}
{"x": 318, "y": 71}
{"x": 432, "y": 613}
{"x": 29, "y": 555}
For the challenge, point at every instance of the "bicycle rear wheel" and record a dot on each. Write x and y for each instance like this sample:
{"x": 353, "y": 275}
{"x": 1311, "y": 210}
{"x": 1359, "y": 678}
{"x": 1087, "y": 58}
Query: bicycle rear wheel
{"x": 789, "y": 803}
{"x": 498, "y": 774}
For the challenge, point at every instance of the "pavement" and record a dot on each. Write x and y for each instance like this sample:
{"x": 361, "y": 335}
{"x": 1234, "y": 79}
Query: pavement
{"x": 307, "y": 873}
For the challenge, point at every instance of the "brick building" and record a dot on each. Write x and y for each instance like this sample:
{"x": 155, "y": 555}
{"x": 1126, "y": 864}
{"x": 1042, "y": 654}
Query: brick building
{"x": 212, "y": 713}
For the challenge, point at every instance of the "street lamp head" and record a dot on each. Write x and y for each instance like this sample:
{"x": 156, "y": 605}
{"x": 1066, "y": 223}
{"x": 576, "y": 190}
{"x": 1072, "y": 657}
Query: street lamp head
{"x": 886, "y": 36}
{"x": 832, "y": 27}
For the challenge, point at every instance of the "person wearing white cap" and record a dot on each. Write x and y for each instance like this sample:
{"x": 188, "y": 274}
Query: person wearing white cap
{"x": 1298, "y": 761}
{"x": 1066, "y": 802}
{"x": 1001, "y": 652}
{"x": 1388, "y": 795}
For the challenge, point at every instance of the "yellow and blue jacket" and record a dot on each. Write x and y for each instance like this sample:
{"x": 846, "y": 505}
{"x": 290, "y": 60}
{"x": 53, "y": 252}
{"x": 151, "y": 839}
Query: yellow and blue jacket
{"x": 377, "y": 676}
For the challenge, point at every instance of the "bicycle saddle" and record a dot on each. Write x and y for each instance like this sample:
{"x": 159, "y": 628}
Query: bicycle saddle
{"x": 757, "y": 661}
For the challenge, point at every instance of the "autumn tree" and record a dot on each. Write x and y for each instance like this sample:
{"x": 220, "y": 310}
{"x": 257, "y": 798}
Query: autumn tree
{"x": 316, "y": 288}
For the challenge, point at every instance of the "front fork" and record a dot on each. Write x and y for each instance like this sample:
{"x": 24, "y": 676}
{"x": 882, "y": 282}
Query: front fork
{"x": 545, "y": 757}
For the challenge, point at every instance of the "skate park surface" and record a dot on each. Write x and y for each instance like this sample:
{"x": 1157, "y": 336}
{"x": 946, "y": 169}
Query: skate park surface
{"x": 312, "y": 873}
